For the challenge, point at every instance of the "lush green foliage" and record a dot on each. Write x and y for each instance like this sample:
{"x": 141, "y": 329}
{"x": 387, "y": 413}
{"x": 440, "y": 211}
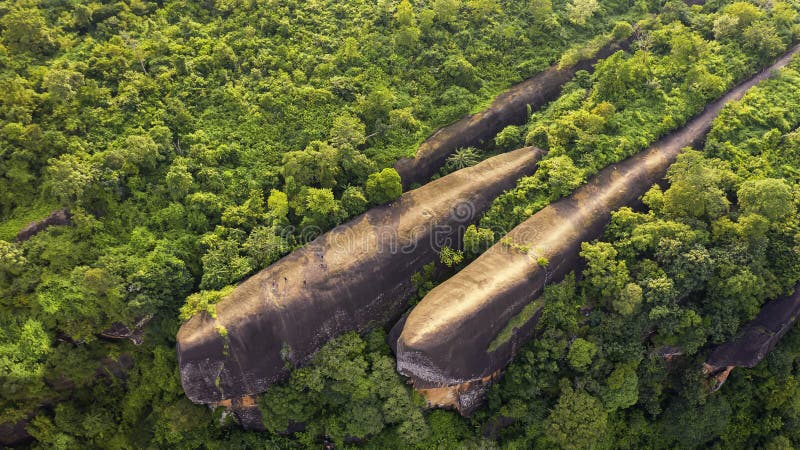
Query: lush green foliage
{"x": 195, "y": 142}
{"x": 633, "y": 99}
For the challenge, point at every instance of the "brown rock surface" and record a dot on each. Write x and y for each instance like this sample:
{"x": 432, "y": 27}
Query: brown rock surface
{"x": 508, "y": 108}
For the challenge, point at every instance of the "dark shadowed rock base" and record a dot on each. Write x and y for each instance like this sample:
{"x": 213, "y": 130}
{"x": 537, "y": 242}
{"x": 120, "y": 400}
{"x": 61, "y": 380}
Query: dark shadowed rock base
{"x": 444, "y": 343}
{"x": 755, "y": 340}
{"x": 351, "y": 278}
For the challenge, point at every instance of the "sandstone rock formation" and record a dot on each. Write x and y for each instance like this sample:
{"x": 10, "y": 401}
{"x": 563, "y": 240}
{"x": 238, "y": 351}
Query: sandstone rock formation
{"x": 509, "y": 108}
{"x": 57, "y": 217}
{"x": 448, "y": 343}
{"x": 755, "y": 340}
{"x": 14, "y": 433}
{"x": 353, "y": 277}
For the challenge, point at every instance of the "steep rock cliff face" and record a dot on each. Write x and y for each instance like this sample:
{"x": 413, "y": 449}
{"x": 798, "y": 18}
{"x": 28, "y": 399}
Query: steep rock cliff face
{"x": 509, "y": 108}
{"x": 445, "y": 340}
{"x": 350, "y": 278}
{"x": 756, "y": 339}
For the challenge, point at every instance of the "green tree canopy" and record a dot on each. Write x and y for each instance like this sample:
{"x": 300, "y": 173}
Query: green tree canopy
{"x": 384, "y": 186}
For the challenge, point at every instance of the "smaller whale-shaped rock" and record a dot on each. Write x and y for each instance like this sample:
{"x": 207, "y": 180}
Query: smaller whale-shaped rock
{"x": 447, "y": 344}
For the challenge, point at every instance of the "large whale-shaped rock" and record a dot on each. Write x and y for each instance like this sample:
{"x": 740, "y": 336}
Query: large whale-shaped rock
{"x": 350, "y": 278}
{"x": 447, "y": 344}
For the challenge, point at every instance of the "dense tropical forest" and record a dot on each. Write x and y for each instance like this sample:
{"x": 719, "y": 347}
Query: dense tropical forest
{"x": 188, "y": 145}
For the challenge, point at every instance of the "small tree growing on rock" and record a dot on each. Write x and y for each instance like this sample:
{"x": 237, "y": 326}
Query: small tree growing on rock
{"x": 384, "y": 186}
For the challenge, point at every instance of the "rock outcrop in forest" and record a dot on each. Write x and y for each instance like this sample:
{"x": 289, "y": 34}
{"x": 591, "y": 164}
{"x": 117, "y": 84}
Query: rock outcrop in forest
{"x": 755, "y": 340}
{"x": 353, "y": 277}
{"x": 455, "y": 340}
{"x": 509, "y": 108}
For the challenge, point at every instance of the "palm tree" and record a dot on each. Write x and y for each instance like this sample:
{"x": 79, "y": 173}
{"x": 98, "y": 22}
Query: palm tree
{"x": 461, "y": 158}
